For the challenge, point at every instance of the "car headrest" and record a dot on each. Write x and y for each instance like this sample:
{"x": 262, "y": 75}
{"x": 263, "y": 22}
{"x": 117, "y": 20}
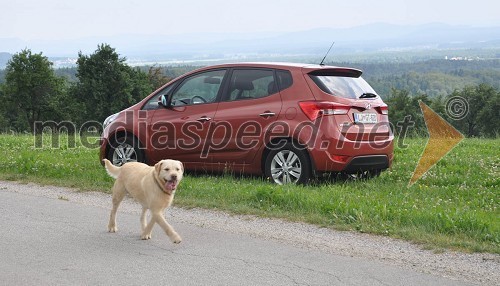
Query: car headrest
{"x": 271, "y": 88}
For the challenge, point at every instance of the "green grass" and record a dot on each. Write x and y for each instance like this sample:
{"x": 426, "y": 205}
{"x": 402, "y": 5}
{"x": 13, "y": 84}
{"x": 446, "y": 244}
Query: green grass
{"x": 454, "y": 206}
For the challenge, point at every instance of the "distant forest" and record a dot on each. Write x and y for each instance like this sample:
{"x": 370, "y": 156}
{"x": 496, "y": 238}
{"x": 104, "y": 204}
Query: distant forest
{"x": 431, "y": 77}
{"x": 438, "y": 77}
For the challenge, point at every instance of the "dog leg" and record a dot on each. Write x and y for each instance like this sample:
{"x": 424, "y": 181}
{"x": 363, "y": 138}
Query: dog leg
{"x": 146, "y": 232}
{"x": 144, "y": 219}
{"x": 169, "y": 230}
{"x": 118, "y": 195}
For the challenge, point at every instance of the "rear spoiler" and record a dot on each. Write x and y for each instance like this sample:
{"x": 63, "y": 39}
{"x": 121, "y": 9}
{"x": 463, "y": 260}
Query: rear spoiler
{"x": 348, "y": 72}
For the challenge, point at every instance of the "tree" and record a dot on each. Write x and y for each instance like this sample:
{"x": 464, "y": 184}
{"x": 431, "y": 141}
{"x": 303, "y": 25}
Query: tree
{"x": 30, "y": 89}
{"x": 4, "y": 124}
{"x": 489, "y": 116}
{"x": 156, "y": 77}
{"x": 405, "y": 108}
{"x": 476, "y": 110}
{"x": 106, "y": 84}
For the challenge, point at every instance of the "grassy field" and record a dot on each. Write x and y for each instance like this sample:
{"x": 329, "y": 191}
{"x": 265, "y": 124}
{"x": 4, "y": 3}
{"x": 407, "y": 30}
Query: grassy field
{"x": 454, "y": 206}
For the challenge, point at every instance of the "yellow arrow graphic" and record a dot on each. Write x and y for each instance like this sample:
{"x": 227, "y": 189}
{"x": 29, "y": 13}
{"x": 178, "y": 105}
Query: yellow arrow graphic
{"x": 442, "y": 139}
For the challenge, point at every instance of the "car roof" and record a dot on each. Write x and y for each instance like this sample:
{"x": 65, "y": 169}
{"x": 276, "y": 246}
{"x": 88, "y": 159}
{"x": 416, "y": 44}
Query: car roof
{"x": 306, "y": 68}
{"x": 264, "y": 64}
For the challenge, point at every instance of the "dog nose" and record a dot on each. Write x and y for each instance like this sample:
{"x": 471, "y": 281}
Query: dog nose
{"x": 173, "y": 177}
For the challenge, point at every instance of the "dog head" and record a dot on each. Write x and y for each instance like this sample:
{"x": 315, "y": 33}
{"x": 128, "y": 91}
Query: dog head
{"x": 169, "y": 173}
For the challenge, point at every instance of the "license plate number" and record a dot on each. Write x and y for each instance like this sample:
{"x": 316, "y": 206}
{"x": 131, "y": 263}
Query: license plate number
{"x": 365, "y": 118}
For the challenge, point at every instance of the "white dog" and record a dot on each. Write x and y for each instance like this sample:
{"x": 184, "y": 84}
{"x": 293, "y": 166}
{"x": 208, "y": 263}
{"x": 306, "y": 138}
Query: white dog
{"x": 153, "y": 187}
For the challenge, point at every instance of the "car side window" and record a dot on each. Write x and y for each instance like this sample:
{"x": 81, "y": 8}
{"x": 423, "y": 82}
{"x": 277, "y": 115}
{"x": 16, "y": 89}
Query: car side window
{"x": 285, "y": 79}
{"x": 198, "y": 89}
{"x": 251, "y": 84}
{"x": 152, "y": 103}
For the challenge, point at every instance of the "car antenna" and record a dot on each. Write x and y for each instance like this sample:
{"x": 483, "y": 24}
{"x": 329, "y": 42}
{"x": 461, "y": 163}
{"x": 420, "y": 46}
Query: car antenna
{"x": 322, "y": 64}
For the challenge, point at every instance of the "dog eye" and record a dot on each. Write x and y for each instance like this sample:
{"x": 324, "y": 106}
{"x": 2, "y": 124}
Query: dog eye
{"x": 177, "y": 169}
{"x": 167, "y": 169}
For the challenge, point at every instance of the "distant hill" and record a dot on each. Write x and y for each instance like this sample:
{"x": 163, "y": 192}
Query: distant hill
{"x": 4, "y": 58}
{"x": 205, "y": 46}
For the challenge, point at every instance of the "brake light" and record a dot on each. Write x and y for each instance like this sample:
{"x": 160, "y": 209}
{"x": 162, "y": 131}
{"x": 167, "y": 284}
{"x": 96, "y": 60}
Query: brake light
{"x": 315, "y": 109}
{"x": 384, "y": 109}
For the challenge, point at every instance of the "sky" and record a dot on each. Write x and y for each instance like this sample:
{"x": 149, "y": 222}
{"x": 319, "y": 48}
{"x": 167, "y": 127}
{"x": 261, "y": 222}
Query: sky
{"x": 69, "y": 19}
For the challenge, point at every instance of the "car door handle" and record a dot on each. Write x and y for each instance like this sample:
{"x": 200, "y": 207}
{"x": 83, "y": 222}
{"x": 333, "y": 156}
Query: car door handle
{"x": 204, "y": 119}
{"x": 267, "y": 114}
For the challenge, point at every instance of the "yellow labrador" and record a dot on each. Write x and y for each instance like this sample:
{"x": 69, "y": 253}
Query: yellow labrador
{"x": 153, "y": 187}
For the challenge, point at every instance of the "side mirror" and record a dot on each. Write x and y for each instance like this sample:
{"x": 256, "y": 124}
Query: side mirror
{"x": 163, "y": 101}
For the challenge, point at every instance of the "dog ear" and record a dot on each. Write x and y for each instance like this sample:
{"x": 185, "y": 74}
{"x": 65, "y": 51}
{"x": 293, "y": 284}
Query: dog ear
{"x": 158, "y": 167}
{"x": 182, "y": 166}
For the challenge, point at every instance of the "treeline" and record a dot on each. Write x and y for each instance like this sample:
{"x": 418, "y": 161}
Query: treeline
{"x": 473, "y": 110}
{"x": 466, "y": 93}
{"x": 102, "y": 84}
{"x": 432, "y": 77}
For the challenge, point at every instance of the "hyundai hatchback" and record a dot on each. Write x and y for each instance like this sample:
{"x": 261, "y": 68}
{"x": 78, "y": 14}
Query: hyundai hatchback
{"x": 286, "y": 121}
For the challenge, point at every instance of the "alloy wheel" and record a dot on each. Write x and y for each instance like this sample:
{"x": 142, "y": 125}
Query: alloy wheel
{"x": 286, "y": 167}
{"x": 123, "y": 153}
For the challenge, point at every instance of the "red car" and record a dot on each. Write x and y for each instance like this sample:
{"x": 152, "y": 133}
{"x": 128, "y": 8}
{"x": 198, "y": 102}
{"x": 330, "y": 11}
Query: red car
{"x": 286, "y": 121}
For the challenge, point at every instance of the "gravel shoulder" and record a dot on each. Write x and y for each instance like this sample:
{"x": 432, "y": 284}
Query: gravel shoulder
{"x": 481, "y": 268}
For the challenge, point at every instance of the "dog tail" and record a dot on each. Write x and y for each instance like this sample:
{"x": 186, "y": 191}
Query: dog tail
{"x": 113, "y": 171}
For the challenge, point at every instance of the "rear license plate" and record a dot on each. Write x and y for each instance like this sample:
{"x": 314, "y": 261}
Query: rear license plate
{"x": 365, "y": 118}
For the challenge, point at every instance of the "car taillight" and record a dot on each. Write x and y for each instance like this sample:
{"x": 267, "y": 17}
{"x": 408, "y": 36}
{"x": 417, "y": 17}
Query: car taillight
{"x": 315, "y": 109}
{"x": 340, "y": 158}
{"x": 384, "y": 109}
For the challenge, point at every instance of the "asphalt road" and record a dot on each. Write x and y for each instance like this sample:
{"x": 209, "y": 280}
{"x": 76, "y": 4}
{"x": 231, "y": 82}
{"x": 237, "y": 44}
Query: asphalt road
{"x": 55, "y": 241}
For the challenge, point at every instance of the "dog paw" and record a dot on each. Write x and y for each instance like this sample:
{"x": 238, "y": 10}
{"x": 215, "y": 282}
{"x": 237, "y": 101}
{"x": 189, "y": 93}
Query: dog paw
{"x": 146, "y": 236}
{"x": 176, "y": 239}
{"x": 112, "y": 229}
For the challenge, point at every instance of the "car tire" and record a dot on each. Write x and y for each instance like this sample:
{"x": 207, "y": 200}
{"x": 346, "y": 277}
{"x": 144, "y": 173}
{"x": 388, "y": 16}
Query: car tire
{"x": 125, "y": 149}
{"x": 288, "y": 165}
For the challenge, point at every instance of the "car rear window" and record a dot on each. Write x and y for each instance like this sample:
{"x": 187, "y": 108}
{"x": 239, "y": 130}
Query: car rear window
{"x": 344, "y": 86}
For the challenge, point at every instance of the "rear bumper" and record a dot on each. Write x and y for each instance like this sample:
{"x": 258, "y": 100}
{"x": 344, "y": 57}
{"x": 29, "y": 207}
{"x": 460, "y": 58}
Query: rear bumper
{"x": 365, "y": 163}
{"x": 354, "y": 157}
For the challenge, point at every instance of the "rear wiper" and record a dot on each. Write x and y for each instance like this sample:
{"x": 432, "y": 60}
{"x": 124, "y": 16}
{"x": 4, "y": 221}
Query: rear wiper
{"x": 368, "y": 95}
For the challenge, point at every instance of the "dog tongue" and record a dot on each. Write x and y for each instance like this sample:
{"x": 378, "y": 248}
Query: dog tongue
{"x": 170, "y": 186}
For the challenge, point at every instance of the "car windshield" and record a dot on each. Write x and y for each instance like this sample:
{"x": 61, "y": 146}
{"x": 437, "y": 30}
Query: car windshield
{"x": 346, "y": 87}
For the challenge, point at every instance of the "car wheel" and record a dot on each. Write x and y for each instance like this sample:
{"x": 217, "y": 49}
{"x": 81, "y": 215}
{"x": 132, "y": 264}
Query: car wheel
{"x": 125, "y": 150}
{"x": 288, "y": 165}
